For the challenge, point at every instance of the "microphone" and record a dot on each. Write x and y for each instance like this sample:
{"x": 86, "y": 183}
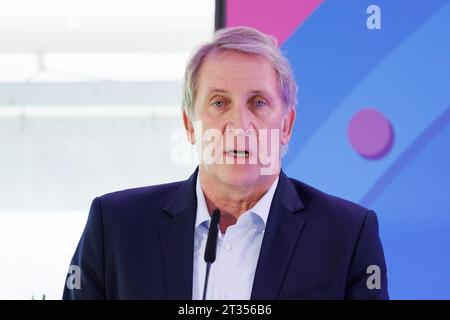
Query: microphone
{"x": 211, "y": 245}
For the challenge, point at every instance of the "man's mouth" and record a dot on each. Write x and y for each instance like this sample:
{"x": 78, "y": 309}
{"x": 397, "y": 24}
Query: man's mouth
{"x": 238, "y": 153}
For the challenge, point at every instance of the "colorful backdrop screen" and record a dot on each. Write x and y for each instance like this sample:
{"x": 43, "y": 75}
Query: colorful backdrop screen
{"x": 373, "y": 119}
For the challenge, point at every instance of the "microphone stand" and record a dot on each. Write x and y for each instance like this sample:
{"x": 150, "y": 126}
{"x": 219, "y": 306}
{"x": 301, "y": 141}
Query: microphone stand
{"x": 211, "y": 246}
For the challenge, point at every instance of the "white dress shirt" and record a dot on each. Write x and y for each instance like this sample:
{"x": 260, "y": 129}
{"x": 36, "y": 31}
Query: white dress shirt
{"x": 231, "y": 275}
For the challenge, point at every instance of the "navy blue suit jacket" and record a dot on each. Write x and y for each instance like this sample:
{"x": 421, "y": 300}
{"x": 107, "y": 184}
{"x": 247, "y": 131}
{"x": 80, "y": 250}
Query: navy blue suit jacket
{"x": 138, "y": 244}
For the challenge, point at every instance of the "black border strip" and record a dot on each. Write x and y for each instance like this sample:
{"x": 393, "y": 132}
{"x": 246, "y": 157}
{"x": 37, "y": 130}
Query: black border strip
{"x": 220, "y": 18}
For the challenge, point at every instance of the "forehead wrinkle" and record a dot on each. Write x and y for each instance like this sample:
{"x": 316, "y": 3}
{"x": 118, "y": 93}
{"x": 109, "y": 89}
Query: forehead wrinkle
{"x": 224, "y": 80}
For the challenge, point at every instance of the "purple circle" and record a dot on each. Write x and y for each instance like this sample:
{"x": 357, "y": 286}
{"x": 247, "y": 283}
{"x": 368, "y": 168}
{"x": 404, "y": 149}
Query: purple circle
{"x": 370, "y": 134}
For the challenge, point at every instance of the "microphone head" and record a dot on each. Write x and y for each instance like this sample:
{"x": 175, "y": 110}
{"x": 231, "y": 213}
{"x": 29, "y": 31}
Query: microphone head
{"x": 211, "y": 242}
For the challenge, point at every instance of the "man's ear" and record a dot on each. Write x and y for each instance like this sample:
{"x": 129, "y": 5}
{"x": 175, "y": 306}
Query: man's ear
{"x": 189, "y": 128}
{"x": 287, "y": 125}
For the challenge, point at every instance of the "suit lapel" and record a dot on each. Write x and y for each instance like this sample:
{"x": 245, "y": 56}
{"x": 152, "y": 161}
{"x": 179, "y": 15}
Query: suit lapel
{"x": 177, "y": 240}
{"x": 284, "y": 227}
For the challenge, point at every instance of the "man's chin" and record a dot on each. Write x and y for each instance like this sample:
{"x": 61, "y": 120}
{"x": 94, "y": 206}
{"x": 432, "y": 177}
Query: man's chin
{"x": 240, "y": 174}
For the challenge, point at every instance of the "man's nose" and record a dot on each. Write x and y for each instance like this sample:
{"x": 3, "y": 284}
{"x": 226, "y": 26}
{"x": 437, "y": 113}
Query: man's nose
{"x": 239, "y": 119}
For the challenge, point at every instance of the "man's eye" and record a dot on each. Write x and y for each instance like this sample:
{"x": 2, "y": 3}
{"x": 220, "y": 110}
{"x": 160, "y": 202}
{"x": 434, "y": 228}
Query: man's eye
{"x": 259, "y": 103}
{"x": 218, "y": 103}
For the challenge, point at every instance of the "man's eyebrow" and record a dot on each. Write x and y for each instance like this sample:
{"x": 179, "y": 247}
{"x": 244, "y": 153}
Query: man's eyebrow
{"x": 261, "y": 92}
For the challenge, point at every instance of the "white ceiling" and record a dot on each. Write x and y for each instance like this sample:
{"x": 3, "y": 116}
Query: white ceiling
{"x": 100, "y": 40}
{"x": 104, "y": 25}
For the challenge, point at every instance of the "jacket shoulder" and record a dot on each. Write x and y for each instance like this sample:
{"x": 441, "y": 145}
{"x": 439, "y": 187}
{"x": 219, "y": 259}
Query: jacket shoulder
{"x": 134, "y": 200}
{"x": 329, "y": 206}
{"x": 154, "y": 191}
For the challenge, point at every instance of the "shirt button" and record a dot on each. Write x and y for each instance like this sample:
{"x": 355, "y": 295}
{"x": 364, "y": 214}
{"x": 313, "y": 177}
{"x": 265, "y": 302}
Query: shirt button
{"x": 228, "y": 247}
{"x": 223, "y": 295}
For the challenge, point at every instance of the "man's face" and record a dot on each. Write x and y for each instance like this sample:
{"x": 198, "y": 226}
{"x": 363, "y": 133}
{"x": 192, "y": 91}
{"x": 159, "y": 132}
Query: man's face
{"x": 242, "y": 121}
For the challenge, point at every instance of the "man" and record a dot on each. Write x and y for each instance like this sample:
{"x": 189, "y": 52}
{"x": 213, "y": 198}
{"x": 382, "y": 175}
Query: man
{"x": 279, "y": 238}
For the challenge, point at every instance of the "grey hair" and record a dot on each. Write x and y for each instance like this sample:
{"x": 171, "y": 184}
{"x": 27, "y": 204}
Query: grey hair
{"x": 245, "y": 40}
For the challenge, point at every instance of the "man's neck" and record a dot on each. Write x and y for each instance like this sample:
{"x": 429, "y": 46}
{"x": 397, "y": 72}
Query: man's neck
{"x": 230, "y": 199}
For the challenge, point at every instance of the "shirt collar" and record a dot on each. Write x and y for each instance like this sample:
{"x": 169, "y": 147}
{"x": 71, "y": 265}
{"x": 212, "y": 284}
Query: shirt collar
{"x": 261, "y": 208}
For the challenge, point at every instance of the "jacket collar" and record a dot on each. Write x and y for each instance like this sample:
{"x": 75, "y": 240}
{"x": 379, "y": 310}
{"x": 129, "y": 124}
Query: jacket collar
{"x": 186, "y": 195}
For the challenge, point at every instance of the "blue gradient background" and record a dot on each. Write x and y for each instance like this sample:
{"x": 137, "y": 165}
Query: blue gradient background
{"x": 402, "y": 70}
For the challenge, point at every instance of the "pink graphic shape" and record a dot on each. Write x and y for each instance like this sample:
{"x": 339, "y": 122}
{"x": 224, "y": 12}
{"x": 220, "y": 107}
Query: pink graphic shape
{"x": 370, "y": 134}
{"x": 279, "y": 18}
